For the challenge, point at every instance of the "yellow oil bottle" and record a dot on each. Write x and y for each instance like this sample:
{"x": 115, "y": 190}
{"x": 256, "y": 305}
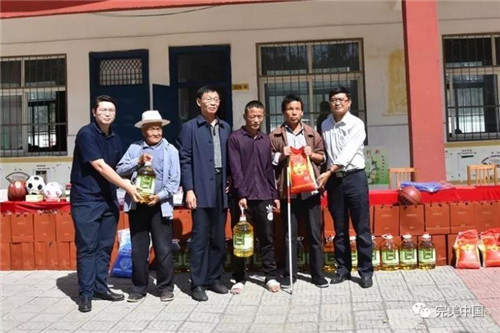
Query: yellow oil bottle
{"x": 145, "y": 181}
{"x": 243, "y": 237}
{"x": 375, "y": 254}
{"x": 407, "y": 253}
{"x": 389, "y": 254}
{"x": 426, "y": 253}
{"x": 354, "y": 253}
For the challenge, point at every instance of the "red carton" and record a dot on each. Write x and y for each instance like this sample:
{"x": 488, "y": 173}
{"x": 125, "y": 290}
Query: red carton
{"x": 4, "y": 256}
{"x": 5, "y": 228}
{"x": 22, "y": 227}
{"x": 28, "y": 256}
{"x": 437, "y": 218}
{"x": 16, "y": 256}
{"x": 411, "y": 219}
{"x": 64, "y": 256}
{"x": 487, "y": 215}
{"x": 45, "y": 227}
{"x": 462, "y": 217}
{"x": 386, "y": 220}
{"x": 65, "y": 230}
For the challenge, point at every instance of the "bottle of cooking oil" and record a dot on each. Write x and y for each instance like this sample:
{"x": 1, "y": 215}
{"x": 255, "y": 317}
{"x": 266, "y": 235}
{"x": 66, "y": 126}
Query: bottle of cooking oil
{"x": 329, "y": 255}
{"x": 407, "y": 253}
{"x": 375, "y": 254}
{"x": 302, "y": 256}
{"x": 389, "y": 253}
{"x": 145, "y": 181}
{"x": 177, "y": 259}
{"x": 426, "y": 253}
{"x": 243, "y": 237}
{"x": 354, "y": 253}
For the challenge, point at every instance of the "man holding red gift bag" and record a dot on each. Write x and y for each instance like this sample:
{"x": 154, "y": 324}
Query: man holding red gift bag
{"x": 299, "y": 148}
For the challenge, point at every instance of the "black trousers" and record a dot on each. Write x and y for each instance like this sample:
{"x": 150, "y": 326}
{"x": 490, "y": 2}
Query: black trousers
{"x": 260, "y": 215}
{"x": 147, "y": 223}
{"x": 310, "y": 209}
{"x": 348, "y": 196}
{"x": 208, "y": 241}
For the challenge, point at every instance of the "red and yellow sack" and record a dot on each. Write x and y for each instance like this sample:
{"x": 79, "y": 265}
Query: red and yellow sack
{"x": 301, "y": 172}
{"x": 489, "y": 244}
{"x": 466, "y": 249}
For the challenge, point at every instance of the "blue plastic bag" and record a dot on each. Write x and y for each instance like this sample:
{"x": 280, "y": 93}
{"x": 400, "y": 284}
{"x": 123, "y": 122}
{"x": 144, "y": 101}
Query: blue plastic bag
{"x": 428, "y": 186}
{"x": 123, "y": 263}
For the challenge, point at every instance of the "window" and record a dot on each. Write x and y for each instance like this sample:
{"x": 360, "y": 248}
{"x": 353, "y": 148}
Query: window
{"x": 33, "y": 102}
{"x": 472, "y": 68}
{"x": 310, "y": 70}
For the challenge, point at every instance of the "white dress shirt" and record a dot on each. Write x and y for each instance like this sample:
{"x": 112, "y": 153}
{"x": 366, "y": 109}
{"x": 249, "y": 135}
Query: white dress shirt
{"x": 344, "y": 142}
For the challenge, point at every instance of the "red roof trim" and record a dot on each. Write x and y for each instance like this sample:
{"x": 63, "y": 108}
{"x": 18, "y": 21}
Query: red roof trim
{"x": 29, "y": 8}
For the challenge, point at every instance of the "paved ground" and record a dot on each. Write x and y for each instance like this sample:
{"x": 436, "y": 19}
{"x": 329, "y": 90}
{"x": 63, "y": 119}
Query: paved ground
{"x": 449, "y": 301}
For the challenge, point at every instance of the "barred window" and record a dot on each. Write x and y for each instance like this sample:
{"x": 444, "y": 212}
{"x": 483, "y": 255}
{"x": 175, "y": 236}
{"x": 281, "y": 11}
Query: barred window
{"x": 310, "y": 70}
{"x": 33, "y": 103}
{"x": 472, "y": 68}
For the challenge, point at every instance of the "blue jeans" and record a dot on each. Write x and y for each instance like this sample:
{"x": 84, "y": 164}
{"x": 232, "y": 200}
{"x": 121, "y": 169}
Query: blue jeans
{"x": 95, "y": 231}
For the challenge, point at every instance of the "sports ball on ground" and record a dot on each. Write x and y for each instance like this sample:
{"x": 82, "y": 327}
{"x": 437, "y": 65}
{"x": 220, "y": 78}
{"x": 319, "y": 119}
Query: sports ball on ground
{"x": 35, "y": 184}
{"x": 17, "y": 190}
{"x": 409, "y": 195}
{"x": 52, "y": 191}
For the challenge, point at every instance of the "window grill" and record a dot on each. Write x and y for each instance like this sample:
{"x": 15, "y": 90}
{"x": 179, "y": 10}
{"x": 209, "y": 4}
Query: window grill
{"x": 310, "y": 70}
{"x": 33, "y": 104}
{"x": 472, "y": 68}
{"x": 120, "y": 72}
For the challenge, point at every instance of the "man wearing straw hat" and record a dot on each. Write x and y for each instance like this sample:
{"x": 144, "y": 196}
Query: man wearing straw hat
{"x": 153, "y": 218}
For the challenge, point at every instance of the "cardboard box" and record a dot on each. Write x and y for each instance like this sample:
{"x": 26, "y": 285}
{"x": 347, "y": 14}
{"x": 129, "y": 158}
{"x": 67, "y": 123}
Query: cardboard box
{"x": 5, "y": 228}
{"x": 5, "y": 256}
{"x": 64, "y": 256}
{"x": 72, "y": 255}
{"x": 16, "y": 256}
{"x": 411, "y": 219}
{"x": 487, "y": 215}
{"x": 437, "y": 218}
{"x": 182, "y": 224}
{"x": 386, "y": 220}
{"x": 65, "y": 230}
{"x": 22, "y": 227}
{"x": 462, "y": 217}
{"x": 28, "y": 256}
{"x": 44, "y": 227}
{"x": 46, "y": 255}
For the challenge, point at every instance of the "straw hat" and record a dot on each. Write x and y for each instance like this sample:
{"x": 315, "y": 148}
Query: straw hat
{"x": 151, "y": 116}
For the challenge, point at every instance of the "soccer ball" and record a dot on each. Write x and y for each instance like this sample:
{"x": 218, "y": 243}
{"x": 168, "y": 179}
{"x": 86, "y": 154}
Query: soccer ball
{"x": 52, "y": 191}
{"x": 35, "y": 184}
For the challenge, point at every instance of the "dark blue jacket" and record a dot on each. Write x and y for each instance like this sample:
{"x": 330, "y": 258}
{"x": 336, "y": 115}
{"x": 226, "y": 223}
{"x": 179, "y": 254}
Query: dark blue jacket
{"x": 196, "y": 152}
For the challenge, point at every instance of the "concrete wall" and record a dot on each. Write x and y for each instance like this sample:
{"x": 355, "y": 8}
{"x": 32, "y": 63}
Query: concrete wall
{"x": 378, "y": 23}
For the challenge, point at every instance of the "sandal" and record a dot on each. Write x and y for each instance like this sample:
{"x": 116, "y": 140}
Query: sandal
{"x": 273, "y": 286}
{"x": 237, "y": 288}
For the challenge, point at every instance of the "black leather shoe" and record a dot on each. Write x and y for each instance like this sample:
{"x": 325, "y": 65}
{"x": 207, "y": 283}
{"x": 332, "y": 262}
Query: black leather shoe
{"x": 85, "y": 304}
{"x": 339, "y": 278}
{"x": 109, "y": 296}
{"x": 199, "y": 294}
{"x": 218, "y": 287}
{"x": 366, "y": 282}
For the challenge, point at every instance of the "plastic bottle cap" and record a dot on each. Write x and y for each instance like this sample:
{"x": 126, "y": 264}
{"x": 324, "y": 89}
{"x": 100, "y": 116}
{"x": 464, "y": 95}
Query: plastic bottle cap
{"x": 407, "y": 236}
{"x": 353, "y": 238}
{"x": 387, "y": 236}
{"x": 426, "y": 236}
{"x": 373, "y": 237}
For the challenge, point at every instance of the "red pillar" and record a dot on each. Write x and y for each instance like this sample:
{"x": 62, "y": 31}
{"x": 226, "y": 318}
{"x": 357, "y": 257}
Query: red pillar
{"x": 424, "y": 73}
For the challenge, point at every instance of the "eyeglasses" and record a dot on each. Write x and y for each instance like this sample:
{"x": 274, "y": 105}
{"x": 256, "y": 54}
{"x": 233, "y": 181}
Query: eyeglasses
{"x": 340, "y": 100}
{"x": 211, "y": 99}
{"x": 106, "y": 110}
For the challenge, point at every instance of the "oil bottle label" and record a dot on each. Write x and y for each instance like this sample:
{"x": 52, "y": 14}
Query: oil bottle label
{"x": 408, "y": 256}
{"x": 243, "y": 242}
{"x": 354, "y": 258}
{"x": 427, "y": 256}
{"x": 146, "y": 184}
{"x": 390, "y": 257}
{"x": 376, "y": 258}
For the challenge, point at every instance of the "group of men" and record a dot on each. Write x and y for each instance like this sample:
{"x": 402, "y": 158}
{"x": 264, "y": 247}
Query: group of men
{"x": 217, "y": 168}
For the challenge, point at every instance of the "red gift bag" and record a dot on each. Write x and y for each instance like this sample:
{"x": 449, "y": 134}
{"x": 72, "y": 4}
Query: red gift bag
{"x": 301, "y": 172}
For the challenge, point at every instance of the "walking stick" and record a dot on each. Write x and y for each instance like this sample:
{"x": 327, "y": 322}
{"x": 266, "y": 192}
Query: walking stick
{"x": 289, "y": 208}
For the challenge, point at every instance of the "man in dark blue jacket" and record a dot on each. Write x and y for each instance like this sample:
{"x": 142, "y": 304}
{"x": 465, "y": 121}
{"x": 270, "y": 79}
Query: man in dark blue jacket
{"x": 202, "y": 144}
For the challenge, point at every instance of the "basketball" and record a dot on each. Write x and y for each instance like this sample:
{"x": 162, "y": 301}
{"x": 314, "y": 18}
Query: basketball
{"x": 16, "y": 190}
{"x": 409, "y": 195}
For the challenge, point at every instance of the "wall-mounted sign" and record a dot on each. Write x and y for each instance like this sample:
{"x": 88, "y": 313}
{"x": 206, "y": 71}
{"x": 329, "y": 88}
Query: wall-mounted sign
{"x": 241, "y": 86}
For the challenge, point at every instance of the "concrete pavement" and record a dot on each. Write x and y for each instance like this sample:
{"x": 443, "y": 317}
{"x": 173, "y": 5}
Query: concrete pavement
{"x": 440, "y": 300}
